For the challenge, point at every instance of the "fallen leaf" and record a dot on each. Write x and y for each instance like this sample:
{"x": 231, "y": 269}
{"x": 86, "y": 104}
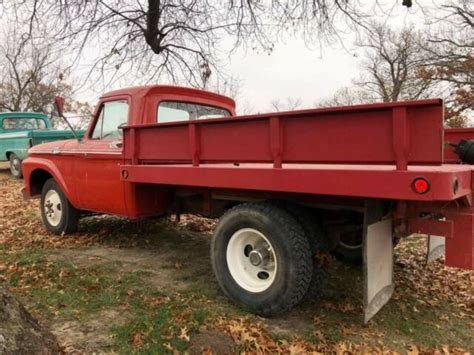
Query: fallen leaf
{"x": 137, "y": 339}
{"x": 412, "y": 350}
{"x": 184, "y": 334}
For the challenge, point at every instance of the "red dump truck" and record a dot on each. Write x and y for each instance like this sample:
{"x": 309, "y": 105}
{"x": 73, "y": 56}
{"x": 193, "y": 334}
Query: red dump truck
{"x": 286, "y": 186}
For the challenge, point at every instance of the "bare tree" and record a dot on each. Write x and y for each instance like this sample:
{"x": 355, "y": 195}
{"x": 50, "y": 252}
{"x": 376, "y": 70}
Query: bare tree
{"x": 231, "y": 86}
{"x": 78, "y": 113}
{"x": 450, "y": 53}
{"x": 392, "y": 64}
{"x": 347, "y": 96}
{"x": 29, "y": 75}
{"x": 176, "y": 40}
{"x": 289, "y": 104}
{"x": 245, "y": 107}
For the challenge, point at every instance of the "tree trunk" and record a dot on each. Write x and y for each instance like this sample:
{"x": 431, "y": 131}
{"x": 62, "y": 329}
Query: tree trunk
{"x": 20, "y": 333}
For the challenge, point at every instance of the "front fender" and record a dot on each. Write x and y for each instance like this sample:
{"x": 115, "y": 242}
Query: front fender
{"x": 22, "y": 154}
{"x": 32, "y": 164}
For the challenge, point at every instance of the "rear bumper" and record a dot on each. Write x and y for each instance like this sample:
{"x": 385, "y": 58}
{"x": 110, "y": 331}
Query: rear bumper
{"x": 456, "y": 225}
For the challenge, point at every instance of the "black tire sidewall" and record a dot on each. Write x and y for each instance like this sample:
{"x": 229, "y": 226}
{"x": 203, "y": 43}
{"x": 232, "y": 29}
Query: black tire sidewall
{"x": 273, "y": 298}
{"x": 349, "y": 255}
{"x": 15, "y": 173}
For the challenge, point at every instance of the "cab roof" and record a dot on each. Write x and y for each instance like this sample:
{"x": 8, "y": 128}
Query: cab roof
{"x": 171, "y": 90}
{"x": 22, "y": 115}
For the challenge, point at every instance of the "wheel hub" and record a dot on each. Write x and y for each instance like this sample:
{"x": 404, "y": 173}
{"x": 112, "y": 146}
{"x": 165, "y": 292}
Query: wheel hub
{"x": 255, "y": 258}
{"x": 49, "y": 208}
{"x": 260, "y": 257}
{"x": 52, "y": 208}
{"x": 251, "y": 260}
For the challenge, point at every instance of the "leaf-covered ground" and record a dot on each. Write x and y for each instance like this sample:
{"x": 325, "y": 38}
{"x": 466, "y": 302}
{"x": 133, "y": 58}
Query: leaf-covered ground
{"x": 147, "y": 287}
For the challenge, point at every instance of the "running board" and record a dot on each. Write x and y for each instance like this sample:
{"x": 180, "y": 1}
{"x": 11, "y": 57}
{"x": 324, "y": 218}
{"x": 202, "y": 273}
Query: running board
{"x": 378, "y": 258}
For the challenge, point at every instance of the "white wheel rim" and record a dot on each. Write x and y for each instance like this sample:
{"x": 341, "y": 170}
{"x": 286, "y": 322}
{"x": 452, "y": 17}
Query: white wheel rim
{"x": 53, "y": 208}
{"x": 251, "y": 260}
{"x": 16, "y": 164}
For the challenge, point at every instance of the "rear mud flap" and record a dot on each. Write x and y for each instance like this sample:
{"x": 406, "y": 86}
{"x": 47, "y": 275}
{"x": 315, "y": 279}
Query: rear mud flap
{"x": 378, "y": 259}
{"x": 436, "y": 248}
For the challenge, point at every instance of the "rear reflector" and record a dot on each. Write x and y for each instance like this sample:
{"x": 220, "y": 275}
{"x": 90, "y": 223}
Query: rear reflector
{"x": 421, "y": 185}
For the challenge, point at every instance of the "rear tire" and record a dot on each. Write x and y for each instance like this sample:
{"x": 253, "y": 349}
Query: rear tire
{"x": 57, "y": 213}
{"x": 317, "y": 240}
{"x": 352, "y": 252}
{"x": 261, "y": 258}
{"x": 350, "y": 247}
{"x": 15, "y": 166}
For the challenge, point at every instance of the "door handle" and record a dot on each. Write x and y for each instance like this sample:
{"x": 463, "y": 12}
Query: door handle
{"x": 116, "y": 144}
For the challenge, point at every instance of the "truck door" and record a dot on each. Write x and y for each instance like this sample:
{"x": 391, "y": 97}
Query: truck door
{"x": 100, "y": 153}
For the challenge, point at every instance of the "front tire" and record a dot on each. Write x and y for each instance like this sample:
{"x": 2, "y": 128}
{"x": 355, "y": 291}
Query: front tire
{"x": 15, "y": 166}
{"x": 261, "y": 258}
{"x": 57, "y": 213}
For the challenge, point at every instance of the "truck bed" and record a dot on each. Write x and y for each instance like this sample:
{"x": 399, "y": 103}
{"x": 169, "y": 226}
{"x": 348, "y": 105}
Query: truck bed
{"x": 373, "y": 151}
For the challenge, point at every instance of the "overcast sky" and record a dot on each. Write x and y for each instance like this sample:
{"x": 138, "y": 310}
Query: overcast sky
{"x": 296, "y": 71}
{"x": 292, "y": 70}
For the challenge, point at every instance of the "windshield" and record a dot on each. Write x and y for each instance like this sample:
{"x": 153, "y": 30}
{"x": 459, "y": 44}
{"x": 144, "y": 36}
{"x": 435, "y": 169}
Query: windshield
{"x": 112, "y": 115}
{"x": 172, "y": 111}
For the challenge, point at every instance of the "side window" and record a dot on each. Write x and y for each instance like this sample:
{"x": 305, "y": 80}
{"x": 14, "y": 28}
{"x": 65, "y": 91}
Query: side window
{"x": 41, "y": 124}
{"x": 112, "y": 115}
{"x": 172, "y": 111}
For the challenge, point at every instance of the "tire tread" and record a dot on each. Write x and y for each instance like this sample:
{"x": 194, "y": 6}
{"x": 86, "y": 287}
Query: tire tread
{"x": 299, "y": 245}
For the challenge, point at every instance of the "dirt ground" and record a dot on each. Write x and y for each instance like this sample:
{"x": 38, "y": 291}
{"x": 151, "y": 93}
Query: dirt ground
{"x": 147, "y": 286}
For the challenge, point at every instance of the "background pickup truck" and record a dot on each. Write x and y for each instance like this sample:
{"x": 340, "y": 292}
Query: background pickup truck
{"x": 287, "y": 186}
{"x": 19, "y": 131}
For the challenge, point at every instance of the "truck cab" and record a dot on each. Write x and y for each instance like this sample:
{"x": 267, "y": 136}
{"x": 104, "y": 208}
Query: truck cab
{"x": 19, "y": 131}
{"x": 93, "y": 163}
{"x": 15, "y": 136}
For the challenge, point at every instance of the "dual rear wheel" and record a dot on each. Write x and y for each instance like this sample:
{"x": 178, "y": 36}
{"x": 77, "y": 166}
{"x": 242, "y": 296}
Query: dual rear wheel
{"x": 262, "y": 258}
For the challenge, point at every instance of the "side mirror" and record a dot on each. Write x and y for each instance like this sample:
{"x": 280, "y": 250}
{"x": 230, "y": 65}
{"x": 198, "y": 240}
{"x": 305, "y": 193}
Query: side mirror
{"x": 59, "y": 103}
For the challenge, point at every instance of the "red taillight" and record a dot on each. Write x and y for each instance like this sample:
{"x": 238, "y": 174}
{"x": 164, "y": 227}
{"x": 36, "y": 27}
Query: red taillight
{"x": 421, "y": 185}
